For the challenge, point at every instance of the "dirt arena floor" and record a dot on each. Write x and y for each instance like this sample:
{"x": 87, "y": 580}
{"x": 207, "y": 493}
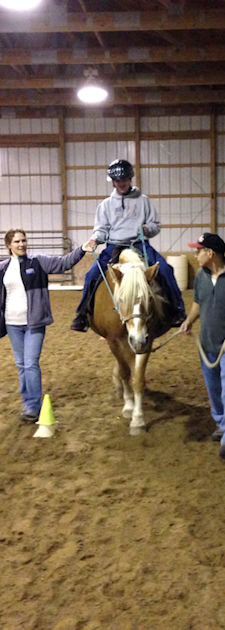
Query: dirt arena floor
{"x": 100, "y": 530}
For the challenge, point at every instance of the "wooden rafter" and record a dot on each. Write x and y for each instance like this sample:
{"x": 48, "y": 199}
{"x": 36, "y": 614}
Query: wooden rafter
{"x": 61, "y": 21}
{"x": 150, "y": 97}
{"x": 150, "y": 79}
{"x": 132, "y": 54}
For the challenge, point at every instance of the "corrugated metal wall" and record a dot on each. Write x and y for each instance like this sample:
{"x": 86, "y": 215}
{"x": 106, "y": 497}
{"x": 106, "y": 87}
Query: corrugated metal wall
{"x": 175, "y": 170}
{"x": 30, "y": 187}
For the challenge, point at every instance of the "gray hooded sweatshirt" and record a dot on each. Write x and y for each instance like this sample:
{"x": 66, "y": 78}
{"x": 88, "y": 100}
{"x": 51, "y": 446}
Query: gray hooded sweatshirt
{"x": 119, "y": 217}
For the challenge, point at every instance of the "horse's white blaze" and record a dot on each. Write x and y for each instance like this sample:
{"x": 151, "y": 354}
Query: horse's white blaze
{"x": 137, "y": 330}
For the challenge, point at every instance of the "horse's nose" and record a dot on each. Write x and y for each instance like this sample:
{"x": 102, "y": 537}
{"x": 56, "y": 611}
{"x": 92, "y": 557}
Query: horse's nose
{"x": 138, "y": 345}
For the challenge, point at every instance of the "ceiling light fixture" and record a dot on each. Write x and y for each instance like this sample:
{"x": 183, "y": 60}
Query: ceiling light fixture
{"x": 91, "y": 92}
{"x": 19, "y": 5}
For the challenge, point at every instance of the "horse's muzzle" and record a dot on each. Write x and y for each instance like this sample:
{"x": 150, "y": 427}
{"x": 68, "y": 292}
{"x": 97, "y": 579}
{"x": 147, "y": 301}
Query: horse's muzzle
{"x": 139, "y": 346}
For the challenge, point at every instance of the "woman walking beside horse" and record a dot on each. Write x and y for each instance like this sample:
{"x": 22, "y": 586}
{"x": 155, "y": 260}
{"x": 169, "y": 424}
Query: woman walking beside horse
{"x": 25, "y": 310}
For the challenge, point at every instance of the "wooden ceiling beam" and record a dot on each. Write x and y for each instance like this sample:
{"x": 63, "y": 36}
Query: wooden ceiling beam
{"x": 134, "y": 54}
{"x": 62, "y": 21}
{"x": 164, "y": 79}
{"x": 150, "y": 97}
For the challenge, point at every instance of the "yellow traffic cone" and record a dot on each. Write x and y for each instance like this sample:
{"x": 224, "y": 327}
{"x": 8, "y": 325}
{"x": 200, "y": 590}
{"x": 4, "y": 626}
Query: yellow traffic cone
{"x": 46, "y": 419}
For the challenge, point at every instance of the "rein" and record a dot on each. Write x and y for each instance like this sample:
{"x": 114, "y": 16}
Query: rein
{"x": 144, "y": 246}
{"x": 106, "y": 282}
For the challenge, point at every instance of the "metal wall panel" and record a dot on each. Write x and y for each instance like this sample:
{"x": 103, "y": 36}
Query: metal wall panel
{"x": 174, "y": 151}
{"x": 98, "y": 153}
{"x": 81, "y": 212}
{"x": 221, "y": 210}
{"x": 170, "y": 171}
{"x": 221, "y": 179}
{"x": 220, "y": 149}
{"x": 175, "y": 181}
{"x": 220, "y": 123}
{"x": 174, "y": 123}
{"x": 30, "y": 190}
{"x": 28, "y": 125}
{"x": 99, "y": 124}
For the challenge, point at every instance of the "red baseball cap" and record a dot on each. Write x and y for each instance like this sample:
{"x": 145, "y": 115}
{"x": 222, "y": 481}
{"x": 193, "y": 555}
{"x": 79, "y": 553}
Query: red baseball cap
{"x": 209, "y": 241}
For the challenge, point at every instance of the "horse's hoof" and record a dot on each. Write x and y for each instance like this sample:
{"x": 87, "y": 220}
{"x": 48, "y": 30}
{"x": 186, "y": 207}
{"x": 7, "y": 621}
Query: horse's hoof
{"x": 137, "y": 430}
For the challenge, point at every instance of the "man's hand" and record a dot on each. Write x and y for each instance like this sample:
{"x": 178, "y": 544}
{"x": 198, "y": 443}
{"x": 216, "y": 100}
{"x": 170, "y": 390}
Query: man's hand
{"x": 186, "y": 327}
{"x": 191, "y": 318}
{"x": 90, "y": 245}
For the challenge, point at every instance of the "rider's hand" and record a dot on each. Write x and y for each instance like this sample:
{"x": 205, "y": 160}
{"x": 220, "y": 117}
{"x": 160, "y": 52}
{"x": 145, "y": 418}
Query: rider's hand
{"x": 90, "y": 245}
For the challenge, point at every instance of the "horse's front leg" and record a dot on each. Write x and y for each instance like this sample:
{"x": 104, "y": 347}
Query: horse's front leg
{"x": 137, "y": 424}
{"x": 122, "y": 374}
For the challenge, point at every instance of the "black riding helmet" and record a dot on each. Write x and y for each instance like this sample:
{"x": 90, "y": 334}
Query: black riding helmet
{"x": 120, "y": 169}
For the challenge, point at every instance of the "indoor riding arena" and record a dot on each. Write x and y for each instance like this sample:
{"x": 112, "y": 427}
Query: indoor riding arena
{"x": 100, "y": 529}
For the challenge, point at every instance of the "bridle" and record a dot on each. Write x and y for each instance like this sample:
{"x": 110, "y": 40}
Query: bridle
{"x": 145, "y": 318}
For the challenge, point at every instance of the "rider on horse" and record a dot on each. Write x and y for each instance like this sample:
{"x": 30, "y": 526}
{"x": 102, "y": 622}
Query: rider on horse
{"x": 118, "y": 221}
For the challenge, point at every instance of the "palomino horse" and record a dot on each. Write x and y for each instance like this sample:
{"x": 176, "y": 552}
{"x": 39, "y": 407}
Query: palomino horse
{"x": 129, "y": 322}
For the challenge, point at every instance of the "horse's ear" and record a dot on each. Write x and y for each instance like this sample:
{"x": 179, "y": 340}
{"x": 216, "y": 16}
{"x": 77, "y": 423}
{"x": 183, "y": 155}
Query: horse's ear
{"x": 115, "y": 274}
{"x": 151, "y": 272}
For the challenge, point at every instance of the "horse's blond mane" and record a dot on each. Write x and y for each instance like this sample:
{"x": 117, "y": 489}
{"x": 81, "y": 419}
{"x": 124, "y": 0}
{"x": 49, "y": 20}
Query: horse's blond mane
{"x": 133, "y": 285}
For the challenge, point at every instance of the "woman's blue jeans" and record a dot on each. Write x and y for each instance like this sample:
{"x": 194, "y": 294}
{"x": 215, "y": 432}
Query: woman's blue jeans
{"x": 215, "y": 382}
{"x": 26, "y": 345}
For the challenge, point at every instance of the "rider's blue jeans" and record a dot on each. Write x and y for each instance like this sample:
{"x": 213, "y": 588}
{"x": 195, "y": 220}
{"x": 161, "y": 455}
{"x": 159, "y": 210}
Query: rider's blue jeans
{"x": 26, "y": 345}
{"x": 153, "y": 256}
{"x": 215, "y": 382}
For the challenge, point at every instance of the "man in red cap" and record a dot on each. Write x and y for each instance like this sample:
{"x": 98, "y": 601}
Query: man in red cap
{"x": 209, "y": 305}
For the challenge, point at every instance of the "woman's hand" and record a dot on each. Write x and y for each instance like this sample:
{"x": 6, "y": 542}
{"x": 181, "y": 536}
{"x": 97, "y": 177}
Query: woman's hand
{"x": 90, "y": 245}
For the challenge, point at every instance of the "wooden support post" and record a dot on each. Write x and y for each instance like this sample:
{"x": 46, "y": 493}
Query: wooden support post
{"x": 137, "y": 148}
{"x": 213, "y": 172}
{"x": 63, "y": 172}
{"x": 62, "y": 159}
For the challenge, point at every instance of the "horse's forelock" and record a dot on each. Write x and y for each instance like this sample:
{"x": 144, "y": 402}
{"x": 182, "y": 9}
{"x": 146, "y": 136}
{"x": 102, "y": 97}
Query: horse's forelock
{"x": 133, "y": 287}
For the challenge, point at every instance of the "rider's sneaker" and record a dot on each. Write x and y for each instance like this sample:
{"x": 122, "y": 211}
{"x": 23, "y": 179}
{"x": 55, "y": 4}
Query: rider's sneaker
{"x": 80, "y": 323}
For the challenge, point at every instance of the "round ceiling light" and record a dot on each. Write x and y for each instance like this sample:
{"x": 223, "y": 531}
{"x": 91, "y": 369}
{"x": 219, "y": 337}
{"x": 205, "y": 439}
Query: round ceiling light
{"x": 19, "y": 5}
{"x": 92, "y": 94}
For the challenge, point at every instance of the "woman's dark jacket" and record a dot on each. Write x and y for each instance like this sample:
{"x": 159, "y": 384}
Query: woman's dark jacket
{"x": 34, "y": 273}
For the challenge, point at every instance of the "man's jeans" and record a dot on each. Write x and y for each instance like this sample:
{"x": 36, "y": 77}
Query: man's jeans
{"x": 215, "y": 382}
{"x": 27, "y": 345}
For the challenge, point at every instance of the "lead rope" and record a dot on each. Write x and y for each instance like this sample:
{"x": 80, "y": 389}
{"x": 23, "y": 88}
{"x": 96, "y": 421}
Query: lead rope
{"x": 200, "y": 348}
{"x": 144, "y": 246}
{"x": 177, "y": 332}
{"x": 203, "y": 355}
